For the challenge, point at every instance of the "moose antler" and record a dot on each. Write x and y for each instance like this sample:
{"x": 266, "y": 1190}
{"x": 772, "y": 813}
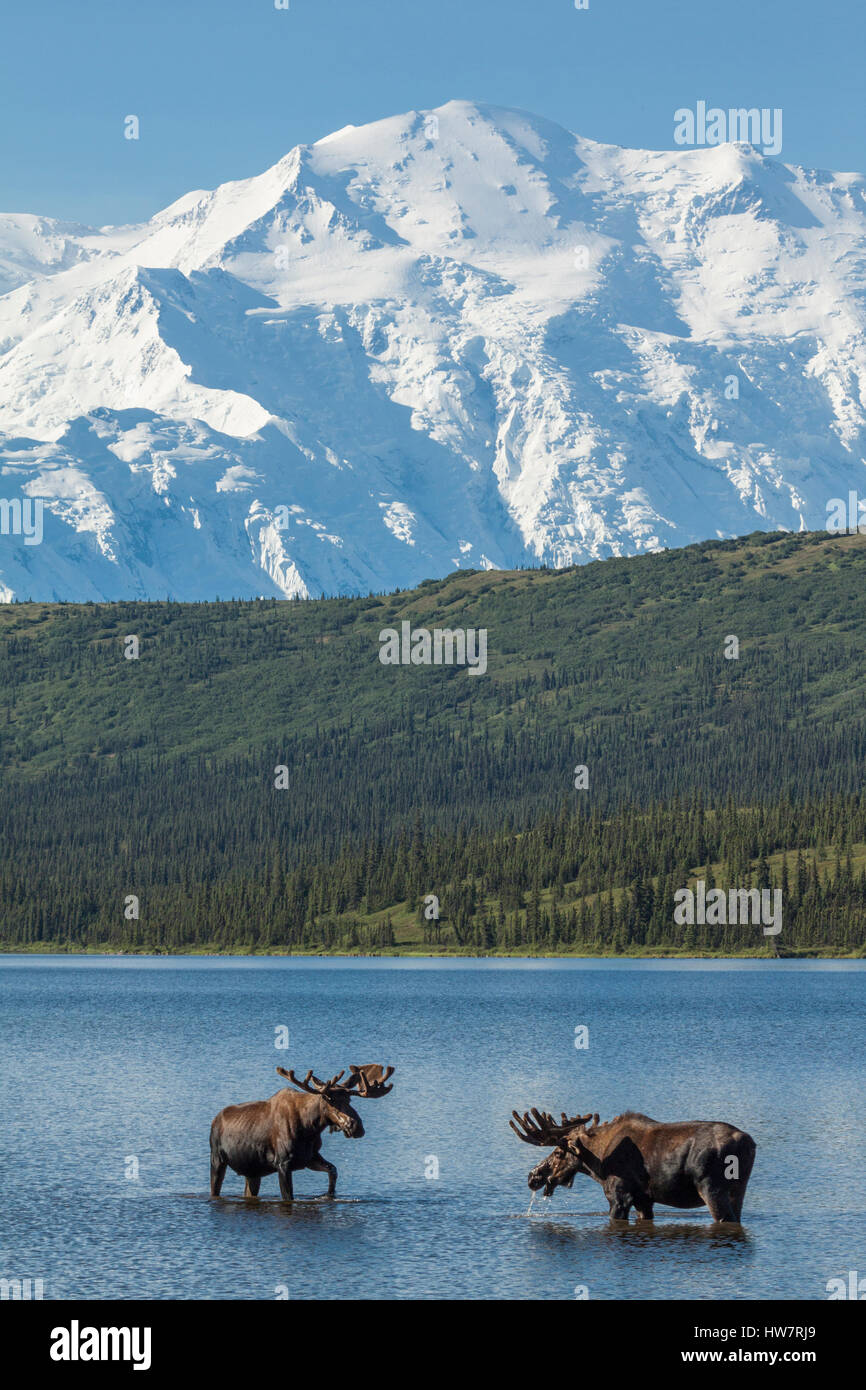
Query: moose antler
{"x": 332, "y": 1085}
{"x": 318, "y": 1087}
{"x": 301, "y": 1085}
{"x": 539, "y": 1126}
{"x": 368, "y": 1082}
{"x": 365, "y": 1083}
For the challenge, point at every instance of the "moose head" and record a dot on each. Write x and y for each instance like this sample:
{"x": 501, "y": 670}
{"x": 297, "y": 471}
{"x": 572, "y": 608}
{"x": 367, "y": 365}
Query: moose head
{"x": 569, "y": 1155}
{"x": 364, "y": 1083}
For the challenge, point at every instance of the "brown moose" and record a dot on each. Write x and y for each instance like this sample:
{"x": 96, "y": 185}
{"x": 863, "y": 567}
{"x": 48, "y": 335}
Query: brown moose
{"x": 284, "y": 1133}
{"x": 639, "y": 1162}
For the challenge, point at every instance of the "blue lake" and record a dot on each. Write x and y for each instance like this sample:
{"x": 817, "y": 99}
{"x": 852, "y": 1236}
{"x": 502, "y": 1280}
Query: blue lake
{"x": 114, "y": 1066}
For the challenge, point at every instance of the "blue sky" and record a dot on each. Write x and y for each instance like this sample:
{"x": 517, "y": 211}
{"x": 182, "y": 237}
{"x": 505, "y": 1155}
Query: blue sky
{"x": 223, "y": 88}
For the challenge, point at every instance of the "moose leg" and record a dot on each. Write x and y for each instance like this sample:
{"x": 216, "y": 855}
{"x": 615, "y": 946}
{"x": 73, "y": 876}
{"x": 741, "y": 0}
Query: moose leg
{"x": 644, "y": 1209}
{"x": 286, "y": 1190}
{"x": 717, "y": 1200}
{"x": 737, "y": 1195}
{"x": 217, "y": 1173}
{"x": 251, "y": 1187}
{"x": 737, "y": 1186}
{"x": 620, "y": 1200}
{"x": 321, "y": 1165}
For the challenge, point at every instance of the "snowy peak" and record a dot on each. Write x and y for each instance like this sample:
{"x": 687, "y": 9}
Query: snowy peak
{"x": 35, "y": 246}
{"x": 456, "y": 337}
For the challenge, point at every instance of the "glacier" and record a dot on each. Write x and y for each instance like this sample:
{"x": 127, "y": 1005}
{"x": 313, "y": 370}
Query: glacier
{"x": 460, "y": 338}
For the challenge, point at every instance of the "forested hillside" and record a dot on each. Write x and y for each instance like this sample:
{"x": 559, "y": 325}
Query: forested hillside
{"x": 154, "y": 778}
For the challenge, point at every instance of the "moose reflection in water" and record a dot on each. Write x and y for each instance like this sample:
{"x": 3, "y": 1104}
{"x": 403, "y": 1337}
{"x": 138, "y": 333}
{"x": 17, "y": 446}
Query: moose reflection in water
{"x": 284, "y": 1133}
{"x": 639, "y": 1162}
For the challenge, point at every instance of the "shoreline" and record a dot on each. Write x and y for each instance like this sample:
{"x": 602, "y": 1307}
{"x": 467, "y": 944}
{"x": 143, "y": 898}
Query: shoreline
{"x": 392, "y": 953}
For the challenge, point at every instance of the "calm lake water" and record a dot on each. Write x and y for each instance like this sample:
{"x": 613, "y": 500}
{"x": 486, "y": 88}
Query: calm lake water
{"x": 105, "y": 1061}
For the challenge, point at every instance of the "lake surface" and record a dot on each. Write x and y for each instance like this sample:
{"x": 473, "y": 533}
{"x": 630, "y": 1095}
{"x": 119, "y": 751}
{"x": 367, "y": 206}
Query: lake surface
{"x": 106, "y": 1061}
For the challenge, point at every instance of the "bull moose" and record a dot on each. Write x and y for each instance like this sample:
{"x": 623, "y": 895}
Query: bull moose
{"x": 639, "y": 1162}
{"x": 284, "y": 1133}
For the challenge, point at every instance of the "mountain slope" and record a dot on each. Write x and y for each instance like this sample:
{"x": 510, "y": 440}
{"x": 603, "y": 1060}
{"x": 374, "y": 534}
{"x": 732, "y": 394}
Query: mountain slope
{"x": 158, "y": 777}
{"x": 458, "y": 338}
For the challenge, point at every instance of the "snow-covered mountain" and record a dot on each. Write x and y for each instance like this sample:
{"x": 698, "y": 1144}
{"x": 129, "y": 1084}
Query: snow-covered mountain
{"x": 453, "y": 338}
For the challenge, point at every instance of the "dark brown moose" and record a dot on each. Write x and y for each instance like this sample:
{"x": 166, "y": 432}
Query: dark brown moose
{"x": 284, "y": 1133}
{"x": 639, "y": 1162}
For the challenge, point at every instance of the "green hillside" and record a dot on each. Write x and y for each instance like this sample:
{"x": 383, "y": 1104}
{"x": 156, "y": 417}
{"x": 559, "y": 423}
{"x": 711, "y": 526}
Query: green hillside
{"x": 155, "y": 777}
